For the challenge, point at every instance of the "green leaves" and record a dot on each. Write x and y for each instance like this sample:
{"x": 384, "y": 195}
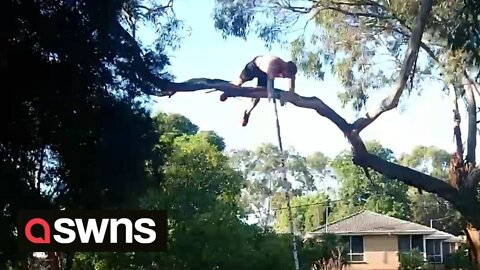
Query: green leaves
{"x": 262, "y": 170}
{"x": 233, "y": 18}
{"x": 326, "y": 252}
{"x": 356, "y": 191}
{"x": 362, "y": 43}
{"x": 413, "y": 260}
{"x": 308, "y": 212}
{"x": 428, "y": 207}
{"x": 76, "y": 131}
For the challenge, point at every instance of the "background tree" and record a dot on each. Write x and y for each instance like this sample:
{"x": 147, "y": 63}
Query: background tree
{"x": 75, "y": 129}
{"x": 427, "y": 208}
{"x": 201, "y": 193}
{"x": 262, "y": 170}
{"x": 308, "y": 212}
{"x": 328, "y": 252}
{"x": 357, "y": 192}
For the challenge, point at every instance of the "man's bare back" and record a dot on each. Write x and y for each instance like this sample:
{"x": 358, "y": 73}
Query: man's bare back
{"x": 270, "y": 63}
{"x": 265, "y": 68}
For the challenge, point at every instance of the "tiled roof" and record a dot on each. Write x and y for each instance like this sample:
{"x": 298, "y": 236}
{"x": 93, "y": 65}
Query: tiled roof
{"x": 367, "y": 222}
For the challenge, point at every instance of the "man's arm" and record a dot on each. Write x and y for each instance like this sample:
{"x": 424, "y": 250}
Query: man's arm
{"x": 291, "y": 87}
{"x": 272, "y": 72}
{"x": 270, "y": 80}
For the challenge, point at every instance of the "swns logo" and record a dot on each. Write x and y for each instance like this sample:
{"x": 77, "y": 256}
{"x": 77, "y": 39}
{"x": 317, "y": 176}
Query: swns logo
{"x": 92, "y": 230}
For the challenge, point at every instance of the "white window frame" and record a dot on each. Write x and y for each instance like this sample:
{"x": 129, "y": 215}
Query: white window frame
{"x": 410, "y": 241}
{"x": 434, "y": 255}
{"x": 350, "y": 254}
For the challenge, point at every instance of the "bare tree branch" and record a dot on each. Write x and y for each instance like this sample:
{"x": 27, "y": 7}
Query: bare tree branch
{"x": 359, "y": 14}
{"x": 362, "y": 157}
{"x": 471, "y": 183}
{"x": 365, "y": 3}
{"x": 411, "y": 55}
{"x": 232, "y": 90}
{"x": 411, "y": 177}
{"x": 472, "y": 121}
{"x": 457, "y": 119}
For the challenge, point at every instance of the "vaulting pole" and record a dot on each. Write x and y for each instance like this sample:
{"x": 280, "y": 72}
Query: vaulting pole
{"x": 287, "y": 195}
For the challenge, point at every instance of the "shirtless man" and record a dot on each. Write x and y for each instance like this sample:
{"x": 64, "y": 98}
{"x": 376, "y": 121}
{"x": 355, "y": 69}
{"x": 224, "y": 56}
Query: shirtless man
{"x": 265, "y": 68}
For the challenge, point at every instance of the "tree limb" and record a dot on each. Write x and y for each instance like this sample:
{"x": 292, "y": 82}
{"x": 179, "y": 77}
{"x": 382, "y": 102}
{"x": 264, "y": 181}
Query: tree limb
{"x": 472, "y": 121}
{"x": 410, "y": 177}
{"x": 457, "y": 133}
{"x": 411, "y": 55}
{"x": 361, "y": 157}
{"x": 232, "y": 90}
{"x": 359, "y": 14}
{"x": 360, "y": 153}
{"x": 473, "y": 180}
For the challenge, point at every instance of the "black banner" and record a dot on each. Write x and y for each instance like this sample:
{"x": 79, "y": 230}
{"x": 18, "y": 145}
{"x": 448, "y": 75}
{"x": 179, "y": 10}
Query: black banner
{"x": 103, "y": 230}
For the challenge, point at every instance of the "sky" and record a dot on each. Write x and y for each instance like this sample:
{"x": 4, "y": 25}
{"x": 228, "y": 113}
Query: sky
{"x": 425, "y": 120}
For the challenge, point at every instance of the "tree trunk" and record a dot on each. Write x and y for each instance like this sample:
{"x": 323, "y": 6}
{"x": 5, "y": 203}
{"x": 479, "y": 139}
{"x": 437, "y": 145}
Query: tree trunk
{"x": 459, "y": 169}
{"x": 473, "y": 241}
{"x": 69, "y": 260}
{"x": 54, "y": 262}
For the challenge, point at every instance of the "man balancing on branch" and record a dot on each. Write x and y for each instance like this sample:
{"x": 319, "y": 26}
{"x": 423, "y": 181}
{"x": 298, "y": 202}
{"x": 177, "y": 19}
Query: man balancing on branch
{"x": 265, "y": 68}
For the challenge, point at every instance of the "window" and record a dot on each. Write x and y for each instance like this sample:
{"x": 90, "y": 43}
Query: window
{"x": 434, "y": 250}
{"x": 407, "y": 243}
{"x": 446, "y": 249}
{"x": 354, "y": 248}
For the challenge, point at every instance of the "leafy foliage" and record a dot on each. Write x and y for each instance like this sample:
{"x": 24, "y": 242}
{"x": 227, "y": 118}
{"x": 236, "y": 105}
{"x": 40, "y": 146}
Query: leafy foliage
{"x": 427, "y": 207}
{"x": 76, "y": 129}
{"x": 413, "y": 261}
{"x": 459, "y": 260}
{"x": 360, "y": 42}
{"x": 262, "y": 169}
{"x": 327, "y": 252}
{"x": 308, "y": 212}
{"x": 201, "y": 193}
{"x": 357, "y": 192}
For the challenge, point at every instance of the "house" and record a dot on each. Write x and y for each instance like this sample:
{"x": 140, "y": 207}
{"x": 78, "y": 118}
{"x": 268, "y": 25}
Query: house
{"x": 375, "y": 240}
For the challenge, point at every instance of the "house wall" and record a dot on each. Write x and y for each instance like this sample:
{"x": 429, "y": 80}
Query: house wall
{"x": 380, "y": 253}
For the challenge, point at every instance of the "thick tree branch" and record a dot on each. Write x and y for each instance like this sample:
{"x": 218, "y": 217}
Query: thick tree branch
{"x": 457, "y": 133}
{"x": 410, "y": 177}
{"x": 467, "y": 205}
{"x": 361, "y": 155}
{"x": 411, "y": 55}
{"x": 473, "y": 179}
{"x": 472, "y": 121}
{"x": 232, "y": 90}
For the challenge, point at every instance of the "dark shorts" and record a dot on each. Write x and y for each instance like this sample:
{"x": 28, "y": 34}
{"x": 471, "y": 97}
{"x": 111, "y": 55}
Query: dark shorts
{"x": 251, "y": 71}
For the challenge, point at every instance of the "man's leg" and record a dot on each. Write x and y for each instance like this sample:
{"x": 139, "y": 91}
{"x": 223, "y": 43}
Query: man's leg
{"x": 247, "y": 113}
{"x": 261, "y": 82}
{"x": 245, "y": 76}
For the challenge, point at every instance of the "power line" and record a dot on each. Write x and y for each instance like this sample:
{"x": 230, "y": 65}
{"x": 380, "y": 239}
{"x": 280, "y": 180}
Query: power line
{"x": 309, "y": 204}
{"x": 332, "y": 201}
